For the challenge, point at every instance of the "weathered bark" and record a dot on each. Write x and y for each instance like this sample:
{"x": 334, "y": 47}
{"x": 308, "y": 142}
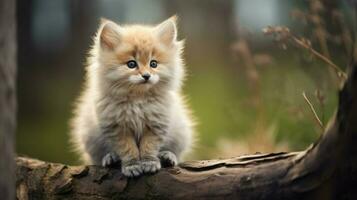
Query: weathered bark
{"x": 7, "y": 98}
{"x": 326, "y": 170}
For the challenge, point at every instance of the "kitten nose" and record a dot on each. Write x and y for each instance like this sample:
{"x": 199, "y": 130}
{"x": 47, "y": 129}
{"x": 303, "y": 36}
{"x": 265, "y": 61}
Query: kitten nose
{"x": 146, "y": 76}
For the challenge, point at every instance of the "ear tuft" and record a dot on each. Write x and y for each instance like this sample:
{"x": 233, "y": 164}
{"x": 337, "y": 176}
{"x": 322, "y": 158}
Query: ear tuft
{"x": 167, "y": 31}
{"x": 109, "y": 34}
{"x": 104, "y": 20}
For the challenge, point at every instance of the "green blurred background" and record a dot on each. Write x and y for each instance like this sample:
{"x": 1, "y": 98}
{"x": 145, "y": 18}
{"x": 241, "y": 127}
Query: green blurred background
{"x": 245, "y": 90}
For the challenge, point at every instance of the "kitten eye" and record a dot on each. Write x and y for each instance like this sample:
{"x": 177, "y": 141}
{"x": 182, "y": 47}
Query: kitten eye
{"x": 153, "y": 63}
{"x": 131, "y": 64}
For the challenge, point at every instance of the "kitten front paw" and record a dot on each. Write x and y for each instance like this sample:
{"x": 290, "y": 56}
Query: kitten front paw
{"x": 167, "y": 158}
{"x": 110, "y": 159}
{"x": 150, "y": 164}
{"x": 131, "y": 168}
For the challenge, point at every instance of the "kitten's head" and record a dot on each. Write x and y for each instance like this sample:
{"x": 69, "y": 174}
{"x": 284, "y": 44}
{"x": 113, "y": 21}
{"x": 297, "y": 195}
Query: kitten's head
{"x": 139, "y": 58}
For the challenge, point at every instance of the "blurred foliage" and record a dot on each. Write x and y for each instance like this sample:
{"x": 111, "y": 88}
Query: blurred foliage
{"x": 245, "y": 91}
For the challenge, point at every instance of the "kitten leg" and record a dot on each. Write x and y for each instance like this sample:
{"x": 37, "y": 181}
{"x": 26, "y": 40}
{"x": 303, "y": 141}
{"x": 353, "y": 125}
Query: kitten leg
{"x": 167, "y": 159}
{"x": 110, "y": 159}
{"x": 129, "y": 154}
{"x": 100, "y": 150}
{"x": 149, "y": 148}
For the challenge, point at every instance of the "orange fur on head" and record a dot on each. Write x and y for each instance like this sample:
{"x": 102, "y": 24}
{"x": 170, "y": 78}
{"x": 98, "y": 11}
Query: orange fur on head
{"x": 117, "y": 45}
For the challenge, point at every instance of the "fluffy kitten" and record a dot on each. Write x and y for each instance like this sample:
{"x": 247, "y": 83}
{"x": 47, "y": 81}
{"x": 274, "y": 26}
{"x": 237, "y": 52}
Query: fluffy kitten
{"x": 131, "y": 110}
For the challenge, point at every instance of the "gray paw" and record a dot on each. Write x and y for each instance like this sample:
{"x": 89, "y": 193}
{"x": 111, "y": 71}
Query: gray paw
{"x": 110, "y": 159}
{"x": 150, "y": 165}
{"x": 131, "y": 169}
{"x": 167, "y": 158}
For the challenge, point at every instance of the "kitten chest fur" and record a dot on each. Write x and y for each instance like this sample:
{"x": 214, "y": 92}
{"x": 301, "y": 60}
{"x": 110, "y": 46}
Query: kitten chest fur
{"x": 134, "y": 115}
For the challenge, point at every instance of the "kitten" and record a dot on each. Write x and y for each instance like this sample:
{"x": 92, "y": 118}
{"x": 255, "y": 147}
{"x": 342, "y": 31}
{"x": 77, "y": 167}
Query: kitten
{"x": 131, "y": 110}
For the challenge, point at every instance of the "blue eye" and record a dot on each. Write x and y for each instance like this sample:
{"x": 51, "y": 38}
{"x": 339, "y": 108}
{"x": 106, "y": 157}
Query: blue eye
{"x": 131, "y": 64}
{"x": 153, "y": 64}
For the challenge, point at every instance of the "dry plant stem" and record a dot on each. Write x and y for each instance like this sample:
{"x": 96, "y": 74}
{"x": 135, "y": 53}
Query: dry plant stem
{"x": 316, "y": 117}
{"x": 285, "y": 34}
{"x": 320, "y": 99}
{"x": 340, "y": 73}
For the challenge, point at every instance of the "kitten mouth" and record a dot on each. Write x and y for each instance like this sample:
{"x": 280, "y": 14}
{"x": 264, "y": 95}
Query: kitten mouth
{"x": 144, "y": 82}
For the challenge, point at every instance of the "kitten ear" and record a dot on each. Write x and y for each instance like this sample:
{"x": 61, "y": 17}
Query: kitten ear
{"x": 109, "y": 34}
{"x": 167, "y": 31}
